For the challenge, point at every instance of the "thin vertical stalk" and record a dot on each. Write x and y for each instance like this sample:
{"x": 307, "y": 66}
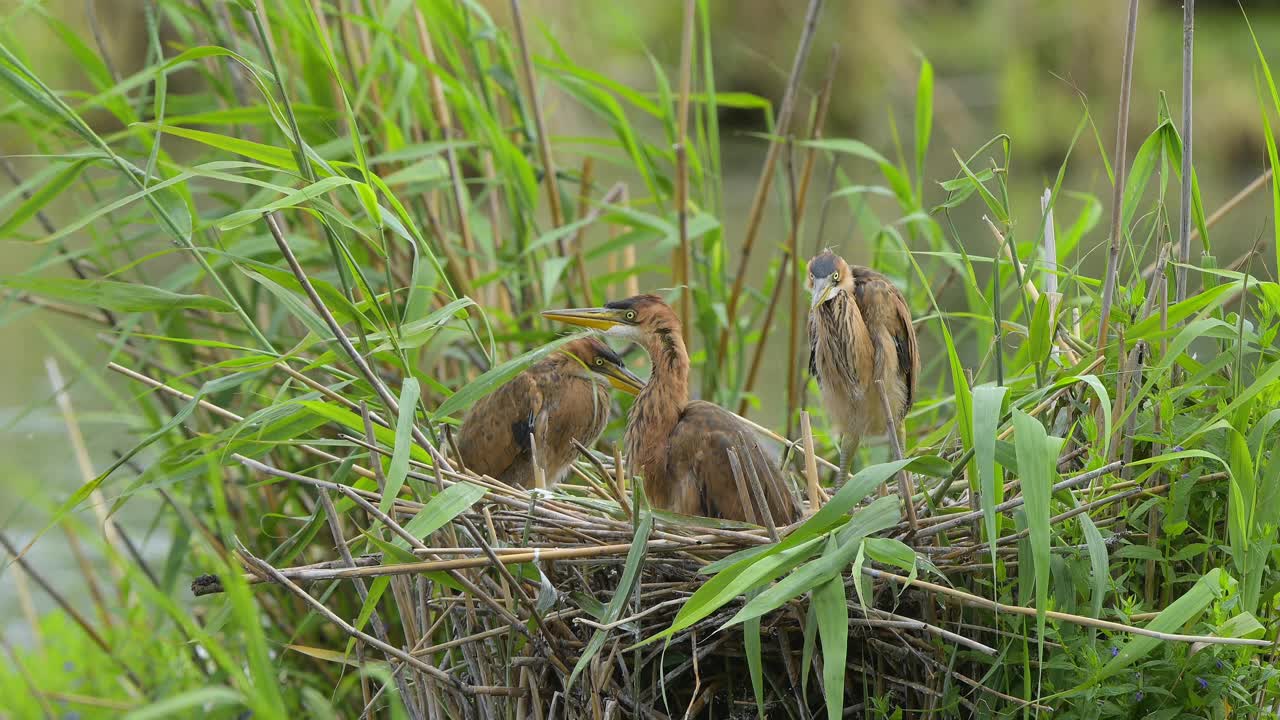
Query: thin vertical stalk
{"x": 792, "y": 254}
{"x": 1120, "y": 164}
{"x": 755, "y": 215}
{"x": 457, "y": 183}
{"x": 813, "y": 489}
{"x": 540, "y": 127}
{"x": 584, "y": 201}
{"x": 681, "y": 267}
{"x": 1184, "y": 227}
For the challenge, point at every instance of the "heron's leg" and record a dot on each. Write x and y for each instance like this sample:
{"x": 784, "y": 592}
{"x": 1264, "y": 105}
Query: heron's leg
{"x": 848, "y": 450}
{"x": 838, "y": 482}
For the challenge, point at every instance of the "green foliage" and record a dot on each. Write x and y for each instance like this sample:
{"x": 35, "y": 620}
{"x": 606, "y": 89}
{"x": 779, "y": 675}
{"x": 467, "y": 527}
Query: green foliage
{"x": 406, "y": 172}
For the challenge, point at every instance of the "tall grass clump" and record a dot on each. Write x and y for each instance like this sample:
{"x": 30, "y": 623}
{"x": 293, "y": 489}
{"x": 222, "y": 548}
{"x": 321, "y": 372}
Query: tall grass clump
{"x": 308, "y": 236}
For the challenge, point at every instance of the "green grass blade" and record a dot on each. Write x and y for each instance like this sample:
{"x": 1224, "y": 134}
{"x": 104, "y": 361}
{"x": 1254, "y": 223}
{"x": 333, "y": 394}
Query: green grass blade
{"x": 441, "y": 510}
{"x": 988, "y": 408}
{"x": 114, "y": 295}
{"x": 1037, "y": 463}
{"x": 398, "y": 469}
{"x": 833, "y": 631}
{"x": 617, "y": 601}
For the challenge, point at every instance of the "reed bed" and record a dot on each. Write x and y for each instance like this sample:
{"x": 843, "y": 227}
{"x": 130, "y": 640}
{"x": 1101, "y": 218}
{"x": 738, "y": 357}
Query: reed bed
{"x": 303, "y": 272}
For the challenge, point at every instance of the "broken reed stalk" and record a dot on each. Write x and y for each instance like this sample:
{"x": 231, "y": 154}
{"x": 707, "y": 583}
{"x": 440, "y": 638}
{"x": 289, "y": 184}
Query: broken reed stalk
{"x": 744, "y": 494}
{"x": 681, "y": 265}
{"x": 787, "y": 276}
{"x": 1120, "y": 164}
{"x": 1184, "y": 226}
{"x": 810, "y": 464}
{"x": 904, "y": 478}
{"x": 755, "y": 215}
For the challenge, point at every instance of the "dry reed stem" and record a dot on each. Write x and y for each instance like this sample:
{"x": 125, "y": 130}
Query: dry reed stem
{"x": 810, "y": 464}
{"x": 895, "y": 445}
{"x": 682, "y": 254}
{"x": 787, "y": 276}
{"x": 1221, "y": 212}
{"x": 936, "y": 524}
{"x": 1121, "y": 171}
{"x": 448, "y": 680}
{"x": 576, "y": 247}
{"x": 756, "y": 213}
{"x": 982, "y": 602}
{"x": 384, "y": 394}
{"x": 457, "y": 183}
{"x": 96, "y": 501}
{"x": 540, "y": 125}
{"x": 61, "y": 601}
{"x": 1184, "y": 226}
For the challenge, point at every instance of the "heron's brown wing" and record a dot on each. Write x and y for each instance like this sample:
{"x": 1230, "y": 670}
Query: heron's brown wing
{"x": 495, "y": 433}
{"x": 884, "y": 307}
{"x": 576, "y": 409}
{"x": 699, "y": 467}
{"x": 904, "y": 337}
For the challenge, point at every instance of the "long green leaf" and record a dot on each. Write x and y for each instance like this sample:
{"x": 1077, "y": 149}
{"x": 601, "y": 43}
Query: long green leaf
{"x": 1038, "y": 465}
{"x": 441, "y": 510}
{"x": 398, "y": 469}
{"x": 833, "y": 631}
{"x": 1172, "y": 619}
{"x": 113, "y": 295}
{"x": 988, "y": 408}
{"x": 621, "y": 594}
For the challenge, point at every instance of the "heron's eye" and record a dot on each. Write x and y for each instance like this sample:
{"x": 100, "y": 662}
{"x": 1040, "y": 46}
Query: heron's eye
{"x": 631, "y": 314}
{"x": 600, "y": 361}
{"x": 835, "y": 277}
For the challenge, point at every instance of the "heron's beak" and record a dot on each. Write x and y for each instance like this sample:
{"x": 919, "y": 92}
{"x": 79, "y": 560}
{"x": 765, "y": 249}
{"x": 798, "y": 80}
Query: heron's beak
{"x": 623, "y": 379}
{"x": 821, "y": 291}
{"x": 594, "y": 318}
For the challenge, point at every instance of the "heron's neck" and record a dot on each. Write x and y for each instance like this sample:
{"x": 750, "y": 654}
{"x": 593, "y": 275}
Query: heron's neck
{"x": 658, "y": 407}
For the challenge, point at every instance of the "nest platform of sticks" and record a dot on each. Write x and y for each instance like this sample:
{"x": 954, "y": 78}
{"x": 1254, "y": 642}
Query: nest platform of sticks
{"x": 583, "y": 602}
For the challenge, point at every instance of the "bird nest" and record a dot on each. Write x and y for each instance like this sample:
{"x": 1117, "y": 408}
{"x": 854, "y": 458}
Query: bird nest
{"x": 584, "y": 602}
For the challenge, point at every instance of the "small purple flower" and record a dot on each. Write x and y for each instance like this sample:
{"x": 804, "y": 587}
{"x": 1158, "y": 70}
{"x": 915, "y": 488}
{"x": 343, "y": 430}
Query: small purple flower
{"x": 1204, "y": 684}
{"x": 68, "y": 666}
{"x": 1220, "y": 665}
{"x": 1138, "y": 696}
{"x": 1178, "y": 448}
{"x": 1114, "y": 651}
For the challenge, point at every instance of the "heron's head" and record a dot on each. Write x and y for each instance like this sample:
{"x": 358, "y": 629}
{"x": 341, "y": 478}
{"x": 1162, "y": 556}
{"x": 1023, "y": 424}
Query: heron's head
{"x": 632, "y": 318}
{"x": 828, "y": 272}
{"x": 601, "y": 363}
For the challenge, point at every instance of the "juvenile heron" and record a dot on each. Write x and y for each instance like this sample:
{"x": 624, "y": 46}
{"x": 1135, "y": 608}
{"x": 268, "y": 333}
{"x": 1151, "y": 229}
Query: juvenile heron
{"x": 860, "y": 331}
{"x": 681, "y": 447}
{"x": 557, "y": 400}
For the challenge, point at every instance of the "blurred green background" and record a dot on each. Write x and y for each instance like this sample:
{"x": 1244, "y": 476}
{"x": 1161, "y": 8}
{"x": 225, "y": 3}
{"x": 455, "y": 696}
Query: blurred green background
{"x": 1027, "y": 68}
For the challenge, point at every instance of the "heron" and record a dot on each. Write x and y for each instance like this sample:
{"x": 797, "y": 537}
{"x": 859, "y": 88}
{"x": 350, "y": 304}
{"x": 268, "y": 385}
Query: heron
{"x": 860, "y": 331}
{"x": 686, "y": 450}
{"x": 536, "y": 416}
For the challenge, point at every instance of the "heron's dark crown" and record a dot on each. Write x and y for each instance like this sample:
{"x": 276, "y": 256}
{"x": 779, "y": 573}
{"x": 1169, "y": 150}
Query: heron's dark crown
{"x": 634, "y": 302}
{"x": 589, "y": 348}
{"x": 823, "y": 265}
{"x": 608, "y": 354}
